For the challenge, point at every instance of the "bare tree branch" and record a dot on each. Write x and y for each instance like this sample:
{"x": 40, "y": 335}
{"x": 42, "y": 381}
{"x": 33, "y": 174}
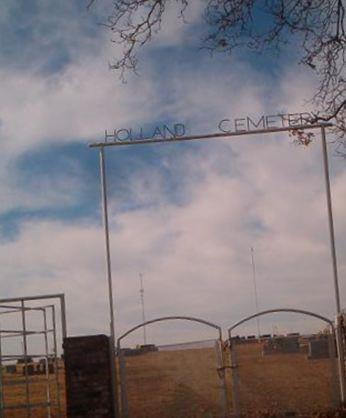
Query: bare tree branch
{"x": 317, "y": 26}
{"x": 89, "y": 5}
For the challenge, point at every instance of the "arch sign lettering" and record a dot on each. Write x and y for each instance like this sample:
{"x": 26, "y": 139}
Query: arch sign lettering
{"x": 176, "y": 131}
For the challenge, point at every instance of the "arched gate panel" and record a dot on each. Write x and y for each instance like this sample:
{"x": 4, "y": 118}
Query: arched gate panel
{"x": 284, "y": 374}
{"x": 180, "y": 381}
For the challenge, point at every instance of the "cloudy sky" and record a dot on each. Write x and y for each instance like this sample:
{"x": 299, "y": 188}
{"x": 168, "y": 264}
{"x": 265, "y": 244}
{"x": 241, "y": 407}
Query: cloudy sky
{"x": 185, "y": 214}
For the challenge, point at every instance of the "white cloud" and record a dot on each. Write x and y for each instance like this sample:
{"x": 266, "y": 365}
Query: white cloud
{"x": 195, "y": 256}
{"x": 193, "y": 250}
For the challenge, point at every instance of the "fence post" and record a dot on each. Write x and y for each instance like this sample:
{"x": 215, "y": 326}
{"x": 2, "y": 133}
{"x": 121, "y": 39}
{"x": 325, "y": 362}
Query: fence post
{"x": 335, "y": 387}
{"x": 222, "y": 375}
{"x": 2, "y": 403}
{"x": 340, "y": 345}
{"x": 124, "y": 413}
{"x": 234, "y": 374}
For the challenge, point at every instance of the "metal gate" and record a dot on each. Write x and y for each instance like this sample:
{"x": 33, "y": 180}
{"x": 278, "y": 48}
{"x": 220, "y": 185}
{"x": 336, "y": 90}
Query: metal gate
{"x": 176, "y": 381}
{"x": 285, "y": 374}
{"x": 31, "y": 372}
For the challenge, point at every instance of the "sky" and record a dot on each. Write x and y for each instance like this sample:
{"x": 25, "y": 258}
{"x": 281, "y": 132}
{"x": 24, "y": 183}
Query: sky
{"x": 185, "y": 215}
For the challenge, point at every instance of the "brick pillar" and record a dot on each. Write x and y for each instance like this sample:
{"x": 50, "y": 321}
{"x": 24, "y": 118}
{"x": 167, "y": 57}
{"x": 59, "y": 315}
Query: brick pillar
{"x": 88, "y": 377}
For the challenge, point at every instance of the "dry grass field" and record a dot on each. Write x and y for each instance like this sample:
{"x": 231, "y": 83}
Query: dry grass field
{"x": 14, "y": 392}
{"x": 283, "y": 382}
{"x": 185, "y": 384}
{"x": 173, "y": 384}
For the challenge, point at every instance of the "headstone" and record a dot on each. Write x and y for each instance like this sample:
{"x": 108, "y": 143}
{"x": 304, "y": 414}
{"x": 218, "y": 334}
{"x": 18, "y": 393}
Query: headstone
{"x": 319, "y": 348}
{"x": 11, "y": 368}
{"x": 146, "y": 348}
{"x": 29, "y": 369}
{"x": 251, "y": 338}
{"x": 41, "y": 367}
{"x": 281, "y": 345}
{"x": 88, "y": 372}
{"x": 24, "y": 360}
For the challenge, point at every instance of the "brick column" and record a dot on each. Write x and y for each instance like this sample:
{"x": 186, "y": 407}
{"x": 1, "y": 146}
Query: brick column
{"x": 88, "y": 377}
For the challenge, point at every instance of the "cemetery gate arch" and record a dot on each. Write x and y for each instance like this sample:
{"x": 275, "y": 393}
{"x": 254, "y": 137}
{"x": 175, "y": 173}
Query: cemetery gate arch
{"x": 284, "y": 345}
{"x": 214, "y": 363}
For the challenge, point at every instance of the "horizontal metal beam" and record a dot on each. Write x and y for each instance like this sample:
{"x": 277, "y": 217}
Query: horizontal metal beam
{"x": 20, "y": 333}
{"x": 60, "y": 296}
{"x": 37, "y": 297}
{"x": 217, "y": 135}
{"x": 20, "y": 356}
{"x": 13, "y": 309}
{"x": 26, "y": 406}
{"x": 20, "y": 382}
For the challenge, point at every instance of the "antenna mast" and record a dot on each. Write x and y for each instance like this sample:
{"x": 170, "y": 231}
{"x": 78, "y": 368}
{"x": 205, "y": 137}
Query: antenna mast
{"x": 141, "y": 292}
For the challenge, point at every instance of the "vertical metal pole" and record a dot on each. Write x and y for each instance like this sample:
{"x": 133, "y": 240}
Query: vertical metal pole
{"x": 330, "y": 220}
{"x": 47, "y": 363}
{"x": 63, "y": 316}
{"x": 341, "y": 362}
{"x": 109, "y": 276}
{"x": 56, "y": 363}
{"x": 341, "y": 359}
{"x": 235, "y": 383}
{"x": 222, "y": 375}
{"x": 25, "y": 352}
{"x": 124, "y": 413}
{"x": 107, "y": 243}
{"x": 141, "y": 291}
{"x": 335, "y": 389}
{"x": 2, "y": 400}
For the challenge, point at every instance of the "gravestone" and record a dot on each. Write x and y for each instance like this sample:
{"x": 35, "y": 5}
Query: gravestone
{"x": 88, "y": 373}
{"x": 29, "y": 369}
{"x": 318, "y": 348}
{"x": 41, "y": 367}
{"x": 281, "y": 345}
{"x": 11, "y": 368}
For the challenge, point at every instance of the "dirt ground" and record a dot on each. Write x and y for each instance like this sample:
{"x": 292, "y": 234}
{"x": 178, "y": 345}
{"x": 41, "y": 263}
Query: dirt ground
{"x": 283, "y": 382}
{"x": 14, "y": 392}
{"x": 186, "y": 384}
{"x": 173, "y": 384}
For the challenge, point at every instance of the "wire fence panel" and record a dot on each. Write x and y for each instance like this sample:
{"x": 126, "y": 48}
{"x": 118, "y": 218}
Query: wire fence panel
{"x": 287, "y": 375}
{"x": 173, "y": 381}
{"x": 31, "y": 374}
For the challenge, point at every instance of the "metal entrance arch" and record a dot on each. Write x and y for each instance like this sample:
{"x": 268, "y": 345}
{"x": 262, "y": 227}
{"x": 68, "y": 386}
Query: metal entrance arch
{"x": 293, "y": 128}
{"x": 124, "y": 412}
{"x": 334, "y": 336}
{"x": 224, "y": 135}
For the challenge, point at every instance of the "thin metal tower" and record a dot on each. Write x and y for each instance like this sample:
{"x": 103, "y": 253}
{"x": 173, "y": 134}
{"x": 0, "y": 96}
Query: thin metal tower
{"x": 141, "y": 292}
{"x": 255, "y": 289}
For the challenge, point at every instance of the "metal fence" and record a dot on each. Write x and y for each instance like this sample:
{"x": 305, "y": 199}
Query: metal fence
{"x": 173, "y": 381}
{"x": 30, "y": 368}
{"x": 284, "y": 373}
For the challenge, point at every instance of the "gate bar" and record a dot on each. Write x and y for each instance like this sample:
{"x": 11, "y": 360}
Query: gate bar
{"x": 60, "y": 296}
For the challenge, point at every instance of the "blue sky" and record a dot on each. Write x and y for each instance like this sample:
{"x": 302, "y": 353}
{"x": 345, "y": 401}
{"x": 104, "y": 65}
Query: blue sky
{"x": 185, "y": 215}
